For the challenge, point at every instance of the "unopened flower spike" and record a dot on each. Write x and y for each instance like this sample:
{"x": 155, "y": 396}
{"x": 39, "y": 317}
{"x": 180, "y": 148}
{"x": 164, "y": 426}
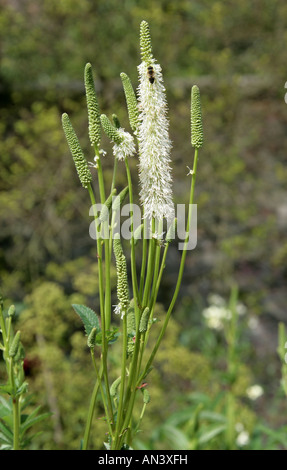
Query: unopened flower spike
{"x": 93, "y": 107}
{"x": 76, "y": 151}
{"x": 111, "y": 131}
{"x": 124, "y": 145}
{"x": 131, "y": 101}
{"x": 122, "y": 279}
{"x": 114, "y": 387}
{"x": 11, "y": 311}
{"x": 145, "y": 43}
{"x": 15, "y": 344}
{"x": 196, "y": 118}
{"x": 153, "y": 136}
{"x": 91, "y": 342}
{"x": 144, "y": 320}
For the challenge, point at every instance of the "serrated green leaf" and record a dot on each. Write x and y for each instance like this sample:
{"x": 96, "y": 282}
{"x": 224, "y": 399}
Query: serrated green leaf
{"x": 88, "y": 317}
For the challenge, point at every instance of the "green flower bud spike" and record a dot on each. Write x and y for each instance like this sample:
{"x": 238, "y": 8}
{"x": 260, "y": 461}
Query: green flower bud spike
{"x": 11, "y": 311}
{"x": 196, "y": 118}
{"x": 122, "y": 278}
{"x": 114, "y": 387}
{"x": 131, "y": 101}
{"x": 76, "y": 151}
{"x": 91, "y": 342}
{"x": 14, "y": 345}
{"x": 110, "y": 130}
{"x": 146, "y": 395}
{"x": 131, "y": 321}
{"x": 93, "y": 107}
{"x": 145, "y": 43}
{"x": 144, "y": 320}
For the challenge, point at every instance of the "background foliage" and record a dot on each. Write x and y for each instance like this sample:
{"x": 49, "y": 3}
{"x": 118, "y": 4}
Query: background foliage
{"x": 47, "y": 259}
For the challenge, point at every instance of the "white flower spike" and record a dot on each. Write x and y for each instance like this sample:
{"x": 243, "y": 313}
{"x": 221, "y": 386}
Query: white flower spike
{"x": 153, "y": 135}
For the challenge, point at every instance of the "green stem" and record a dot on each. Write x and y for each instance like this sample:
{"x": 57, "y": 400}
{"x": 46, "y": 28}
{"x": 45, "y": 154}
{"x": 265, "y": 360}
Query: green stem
{"x": 16, "y": 423}
{"x": 133, "y": 258}
{"x": 91, "y": 413}
{"x": 122, "y": 386}
{"x": 150, "y": 267}
{"x": 152, "y": 303}
{"x": 180, "y": 274}
{"x": 144, "y": 257}
{"x": 102, "y": 306}
{"x": 132, "y": 383}
{"x": 109, "y": 417}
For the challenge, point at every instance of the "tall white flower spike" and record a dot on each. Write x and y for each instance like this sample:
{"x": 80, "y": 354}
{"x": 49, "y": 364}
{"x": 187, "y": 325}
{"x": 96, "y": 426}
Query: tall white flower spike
{"x": 153, "y": 135}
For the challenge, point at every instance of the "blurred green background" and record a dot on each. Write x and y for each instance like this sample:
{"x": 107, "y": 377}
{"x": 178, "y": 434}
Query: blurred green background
{"x": 236, "y": 53}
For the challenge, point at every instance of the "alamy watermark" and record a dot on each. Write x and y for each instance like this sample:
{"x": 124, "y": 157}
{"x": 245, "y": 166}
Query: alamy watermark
{"x": 121, "y": 221}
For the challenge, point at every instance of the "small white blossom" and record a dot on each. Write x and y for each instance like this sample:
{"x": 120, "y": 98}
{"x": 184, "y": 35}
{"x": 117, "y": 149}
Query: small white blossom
{"x": 242, "y": 439}
{"x": 127, "y": 146}
{"x": 215, "y": 299}
{"x": 254, "y": 392}
{"x": 118, "y": 310}
{"x": 241, "y": 309}
{"x": 239, "y": 427}
{"x": 253, "y": 323}
{"x": 216, "y": 316}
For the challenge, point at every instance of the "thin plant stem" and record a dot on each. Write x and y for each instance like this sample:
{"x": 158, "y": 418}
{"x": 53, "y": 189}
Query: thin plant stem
{"x": 103, "y": 316}
{"x": 133, "y": 258}
{"x": 122, "y": 385}
{"x": 150, "y": 267}
{"x": 109, "y": 417}
{"x": 114, "y": 174}
{"x": 16, "y": 422}
{"x": 132, "y": 383}
{"x": 181, "y": 269}
{"x": 91, "y": 412}
{"x": 152, "y": 303}
{"x": 144, "y": 258}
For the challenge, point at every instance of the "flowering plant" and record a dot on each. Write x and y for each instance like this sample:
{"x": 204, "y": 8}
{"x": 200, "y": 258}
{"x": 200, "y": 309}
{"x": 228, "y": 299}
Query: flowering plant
{"x": 147, "y": 111}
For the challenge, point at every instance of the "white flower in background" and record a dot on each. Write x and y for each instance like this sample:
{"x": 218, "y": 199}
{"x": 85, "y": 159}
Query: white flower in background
{"x": 254, "y": 392}
{"x": 215, "y": 299}
{"x": 216, "y": 316}
{"x": 218, "y": 312}
{"x": 253, "y": 323}
{"x": 241, "y": 309}
{"x": 243, "y": 436}
{"x": 153, "y": 136}
{"x": 243, "y": 439}
{"x": 239, "y": 427}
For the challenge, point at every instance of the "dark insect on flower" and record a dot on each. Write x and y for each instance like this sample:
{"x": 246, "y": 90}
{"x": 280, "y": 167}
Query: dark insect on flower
{"x": 150, "y": 74}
